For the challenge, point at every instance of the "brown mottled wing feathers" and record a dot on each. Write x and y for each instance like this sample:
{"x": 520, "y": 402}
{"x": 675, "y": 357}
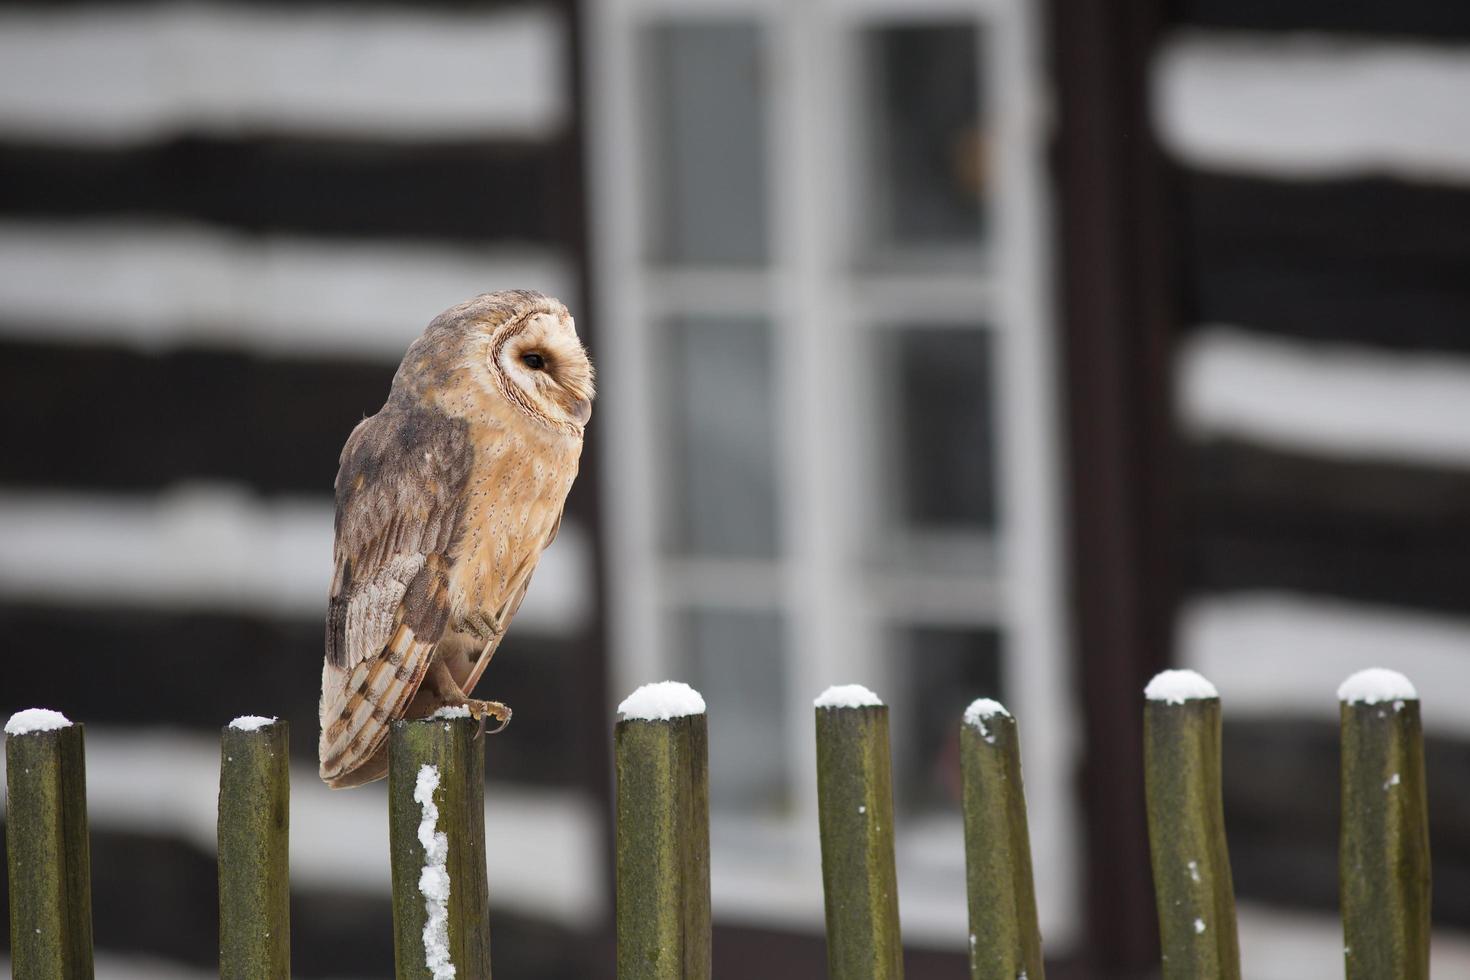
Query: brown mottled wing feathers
{"x": 399, "y": 493}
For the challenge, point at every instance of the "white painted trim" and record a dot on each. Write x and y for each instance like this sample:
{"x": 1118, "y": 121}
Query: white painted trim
{"x": 1288, "y": 944}
{"x": 543, "y": 847}
{"x": 1308, "y": 106}
{"x": 108, "y": 75}
{"x": 1327, "y": 399}
{"x": 1275, "y": 654}
{"x": 220, "y": 548}
{"x": 156, "y": 286}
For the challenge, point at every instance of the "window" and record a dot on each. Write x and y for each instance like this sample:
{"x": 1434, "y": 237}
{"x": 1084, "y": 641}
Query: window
{"x": 827, "y": 425}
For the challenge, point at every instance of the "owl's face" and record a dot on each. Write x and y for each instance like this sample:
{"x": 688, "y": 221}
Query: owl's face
{"x": 543, "y": 367}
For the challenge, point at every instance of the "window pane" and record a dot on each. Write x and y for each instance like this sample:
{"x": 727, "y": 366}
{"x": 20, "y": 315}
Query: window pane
{"x": 926, "y": 153}
{"x": 708, "y": 192}
{"x": 937, "y": 673}
{"x": 722, "y": 421}
{"x": 937, "y": 461}
{"x": 735, "y": 660}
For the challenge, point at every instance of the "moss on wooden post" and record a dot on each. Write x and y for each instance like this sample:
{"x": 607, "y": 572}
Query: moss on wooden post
{"x": 1005, "y": 941}
{"x": 855, "y": 804}
{"x": 1186, "y": 829}
{"x": 436, "y": 826}
{"x": 254, "y": 836}
{"x": 48, "y": 855}
{"x": 1383, "y": 861}
{"x": 662, "y": 759}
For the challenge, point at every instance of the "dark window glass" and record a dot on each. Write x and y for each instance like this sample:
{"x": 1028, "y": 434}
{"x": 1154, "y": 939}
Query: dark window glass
{"x": 723, "y": 426}
{"x": 735, "y": 660}
{"x": 937, "y": 673}
{"x": 708, "y": 189}
{"x": 927, "y": 153}
{"x": 940, "y": 437}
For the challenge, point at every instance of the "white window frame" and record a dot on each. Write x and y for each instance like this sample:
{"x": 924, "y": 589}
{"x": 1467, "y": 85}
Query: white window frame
{"x": 767, "y": 872}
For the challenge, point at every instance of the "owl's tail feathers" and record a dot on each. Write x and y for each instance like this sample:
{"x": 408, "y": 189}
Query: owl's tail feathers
{"x": 358, "y": 705}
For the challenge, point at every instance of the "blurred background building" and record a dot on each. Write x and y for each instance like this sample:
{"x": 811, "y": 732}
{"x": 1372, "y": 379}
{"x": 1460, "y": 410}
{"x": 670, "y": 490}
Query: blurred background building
{"x": 956, "y": 348}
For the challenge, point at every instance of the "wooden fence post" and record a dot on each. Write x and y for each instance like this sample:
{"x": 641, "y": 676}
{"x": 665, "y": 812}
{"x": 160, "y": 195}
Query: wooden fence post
{"x": 1186, "y": 828}
{"x": 49, "y": 859}
{"x": 254, "y": 837}
{"x": 1383, "y": 862}
{"x": 1005, "y": 942}
{"x": 855, "y": 808}
{"x": 663, "y": 914}
{"x": 436, "y": 826}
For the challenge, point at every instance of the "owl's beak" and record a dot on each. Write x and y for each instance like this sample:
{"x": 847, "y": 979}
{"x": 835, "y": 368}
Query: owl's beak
{"x": 582, "y": 410}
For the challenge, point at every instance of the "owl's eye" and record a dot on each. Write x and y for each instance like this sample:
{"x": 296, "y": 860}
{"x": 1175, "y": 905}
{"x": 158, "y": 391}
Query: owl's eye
{"x": 534, "y": 361}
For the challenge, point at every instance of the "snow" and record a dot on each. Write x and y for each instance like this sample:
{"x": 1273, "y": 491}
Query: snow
{"x": 981, "y": 709}
{"x": 452, "y": 711}
{"x": 1199, "y": 925}
{"x": 848, "y": 696}
{"x": 434, "y": 879}
{"x": 662, "y": 701}
{"x": 252, "y": 723}
{"x": 1374, "y": 685}
{"x": 1179, "y": 686}
{"x": 36, "y": 720}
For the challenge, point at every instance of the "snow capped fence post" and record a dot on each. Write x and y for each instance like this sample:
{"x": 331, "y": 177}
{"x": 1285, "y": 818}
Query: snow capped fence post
{"x": 1186, "y": 828}
{"x": 49, "y": 861}
{"x": 1383, "y": 864}
{"x": 855, "y": 810}
{"x": 1005, "y": 942}
{"x": 254, "y": 831}
{"x": 436, "y": 827}
{"x": 662, "y": 759}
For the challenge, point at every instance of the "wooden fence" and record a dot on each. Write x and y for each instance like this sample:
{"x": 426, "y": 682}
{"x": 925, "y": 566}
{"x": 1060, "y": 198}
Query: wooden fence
{"x": 437, "y": 840}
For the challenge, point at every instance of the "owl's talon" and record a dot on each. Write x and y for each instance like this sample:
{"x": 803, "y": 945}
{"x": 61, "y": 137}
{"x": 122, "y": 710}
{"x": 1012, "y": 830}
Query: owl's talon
{"x": 489, "y": 709}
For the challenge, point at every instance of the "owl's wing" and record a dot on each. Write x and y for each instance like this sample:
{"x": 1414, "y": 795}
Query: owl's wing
{"x": 399, "y": 494}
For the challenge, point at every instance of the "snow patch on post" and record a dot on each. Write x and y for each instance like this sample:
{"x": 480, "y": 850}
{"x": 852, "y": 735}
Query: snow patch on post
{"x": 1179, "y": 686}
{"x": 1376, "y": 685}
{"x": 848, "y": 696}
{"x": 662, "y": 701}
{"x": 252, "y": 723}
{"x": 434, "y": 880}
{"x": 36, "y": 720}
{"x": 452, "y": 711}
{"x": 979, "y": 710}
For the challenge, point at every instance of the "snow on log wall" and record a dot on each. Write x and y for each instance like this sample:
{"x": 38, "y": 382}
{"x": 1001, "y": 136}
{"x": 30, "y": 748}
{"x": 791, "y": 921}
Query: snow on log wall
{"x": 1321, "y": 182}
{"x": 221, "y": 224}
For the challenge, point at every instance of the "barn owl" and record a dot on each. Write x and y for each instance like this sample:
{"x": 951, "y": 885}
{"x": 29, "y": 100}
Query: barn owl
{"x": 445, "y": 500}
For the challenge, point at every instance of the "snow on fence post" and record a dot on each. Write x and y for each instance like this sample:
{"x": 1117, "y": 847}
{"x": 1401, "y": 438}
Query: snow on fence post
{"x": 1383, "y": 864}
{"x": 49, "y": 860}
{"x": 436, "y": 829}
{"x": 855, "y": 811}
{"x": 1186, "y": 828}
{"x": 254, "y": 831}
{"x": 662, "y": 760}
{"x": 1005, "y": 941}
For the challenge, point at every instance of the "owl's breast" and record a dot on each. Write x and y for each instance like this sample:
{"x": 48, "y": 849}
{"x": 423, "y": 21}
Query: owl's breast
{"x": 514, "y": 498}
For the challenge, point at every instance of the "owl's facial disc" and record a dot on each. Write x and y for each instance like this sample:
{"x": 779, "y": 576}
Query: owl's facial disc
{"x": 546, "y": 361}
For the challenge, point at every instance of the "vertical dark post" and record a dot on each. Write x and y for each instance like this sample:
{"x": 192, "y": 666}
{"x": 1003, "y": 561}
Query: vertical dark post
{"x": 1116, "y": 321}
{"x": 49, "y": 860}
{"x": 254, "y": 838}
{"x": 436, "y": 826}
{"x": 1186, "y": 828}
{"x": 855, "y": 804}
{"x": 1005, "y": 941}
{"x": 662, "y": 759}
{"x": 1383, "y": 862}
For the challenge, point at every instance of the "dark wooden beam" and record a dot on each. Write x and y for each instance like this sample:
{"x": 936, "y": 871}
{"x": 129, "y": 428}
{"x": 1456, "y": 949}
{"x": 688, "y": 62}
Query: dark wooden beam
{"x": 1422, "y": 18}
{"x": 1116, "y": 319}
{"x": 488, "y": 191}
